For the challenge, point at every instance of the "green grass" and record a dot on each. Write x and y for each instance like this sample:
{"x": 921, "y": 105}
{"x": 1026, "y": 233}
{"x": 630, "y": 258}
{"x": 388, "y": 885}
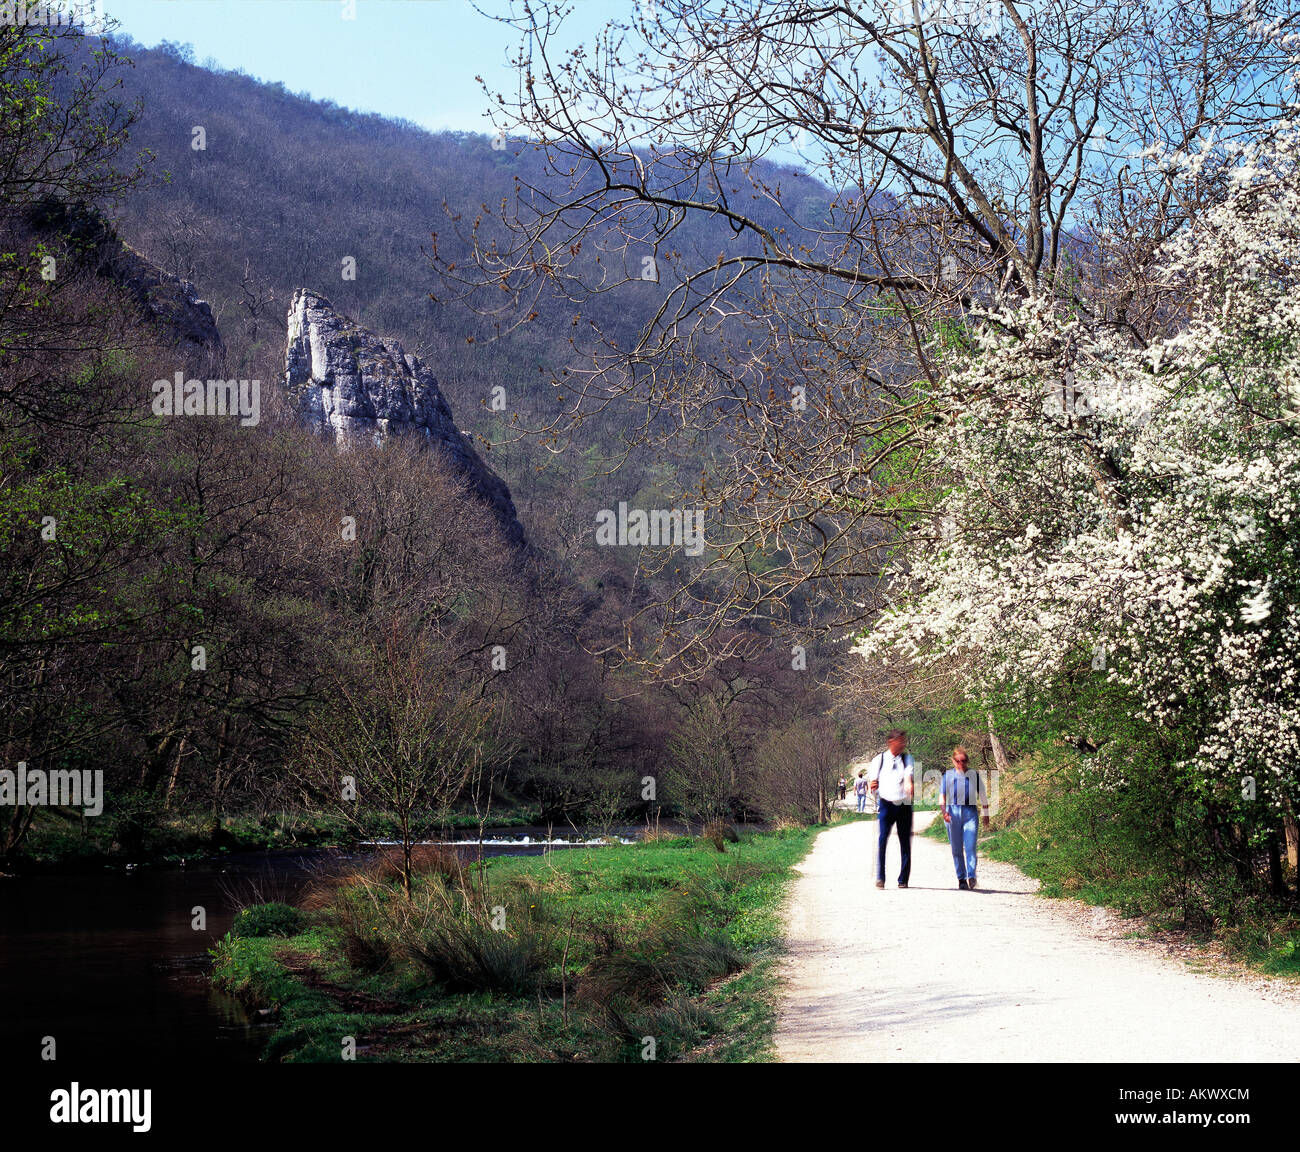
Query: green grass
{"x": 670, "y": 940}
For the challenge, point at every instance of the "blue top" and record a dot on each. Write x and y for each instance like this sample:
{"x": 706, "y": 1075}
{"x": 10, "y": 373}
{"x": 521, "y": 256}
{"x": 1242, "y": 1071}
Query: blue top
{"x": 963, "y": 789}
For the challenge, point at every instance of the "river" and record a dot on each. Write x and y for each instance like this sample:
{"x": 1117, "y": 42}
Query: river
{"x": 110, "y": 965}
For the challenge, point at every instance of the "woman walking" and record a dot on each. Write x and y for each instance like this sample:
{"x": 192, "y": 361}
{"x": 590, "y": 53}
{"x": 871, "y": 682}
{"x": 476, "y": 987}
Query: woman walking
{"x": 963, "y": 798}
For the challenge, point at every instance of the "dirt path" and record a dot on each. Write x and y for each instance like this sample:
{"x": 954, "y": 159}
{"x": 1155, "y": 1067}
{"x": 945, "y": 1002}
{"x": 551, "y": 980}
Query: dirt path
{"x": 933, "y": 973}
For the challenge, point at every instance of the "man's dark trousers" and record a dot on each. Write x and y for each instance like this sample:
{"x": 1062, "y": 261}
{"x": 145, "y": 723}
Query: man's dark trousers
{"x": 887, "y": 815}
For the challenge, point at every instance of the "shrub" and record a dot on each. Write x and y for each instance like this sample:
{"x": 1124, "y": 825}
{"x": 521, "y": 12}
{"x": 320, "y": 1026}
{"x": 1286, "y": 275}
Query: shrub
{"x": 370, "y": 916}
{"x": 366, "y": 945}
{"x": 267, "y": 920}
{"x": 719, "y": 833}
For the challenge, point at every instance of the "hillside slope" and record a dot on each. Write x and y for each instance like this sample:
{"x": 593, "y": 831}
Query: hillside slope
{"x": 278, "y": 191}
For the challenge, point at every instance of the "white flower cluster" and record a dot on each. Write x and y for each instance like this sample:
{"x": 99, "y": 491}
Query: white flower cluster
{"x": 1141, "y": 501}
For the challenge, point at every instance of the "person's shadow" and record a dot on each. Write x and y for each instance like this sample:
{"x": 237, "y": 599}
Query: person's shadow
{"x": 954, "y": 888}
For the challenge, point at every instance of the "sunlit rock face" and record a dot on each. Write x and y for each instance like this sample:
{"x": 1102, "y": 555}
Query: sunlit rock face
{"x": 350, "y": 384}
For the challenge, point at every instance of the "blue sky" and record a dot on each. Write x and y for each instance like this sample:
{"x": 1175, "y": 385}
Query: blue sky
{"x": 416, "y": 59}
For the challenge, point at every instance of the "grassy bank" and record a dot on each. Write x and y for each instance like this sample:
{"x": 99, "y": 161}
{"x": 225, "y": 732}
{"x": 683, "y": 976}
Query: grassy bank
{"x": 664, "y": 950}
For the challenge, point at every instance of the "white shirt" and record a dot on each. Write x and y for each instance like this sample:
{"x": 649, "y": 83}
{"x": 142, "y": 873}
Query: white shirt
{"x": 895, "y": 774}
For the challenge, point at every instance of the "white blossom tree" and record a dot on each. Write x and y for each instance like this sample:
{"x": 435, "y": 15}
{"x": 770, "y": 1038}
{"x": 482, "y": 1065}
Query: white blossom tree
{"x": 1127, "y": 513}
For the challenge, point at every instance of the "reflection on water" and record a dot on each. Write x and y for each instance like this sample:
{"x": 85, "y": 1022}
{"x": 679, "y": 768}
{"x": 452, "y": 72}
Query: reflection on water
{"x": 110, "y": 965}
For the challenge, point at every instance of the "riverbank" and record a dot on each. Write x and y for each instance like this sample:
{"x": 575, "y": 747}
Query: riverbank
{"x": 59, "y": 841}
{"x": 660, "y": 951}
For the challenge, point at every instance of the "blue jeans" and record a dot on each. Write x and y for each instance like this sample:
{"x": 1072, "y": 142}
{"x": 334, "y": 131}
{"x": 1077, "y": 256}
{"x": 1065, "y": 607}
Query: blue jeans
{"x": 887, "y": 815}
{"x": 862, "y": 802}
{"x": 963, "y": 828}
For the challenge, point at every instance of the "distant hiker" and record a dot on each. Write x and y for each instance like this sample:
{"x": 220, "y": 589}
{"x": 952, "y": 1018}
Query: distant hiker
{"x": 894, "y": 783}
{"x": 860, "y": 790}
{"x": 844, "y": 787}
{"x": 963, "y": 797}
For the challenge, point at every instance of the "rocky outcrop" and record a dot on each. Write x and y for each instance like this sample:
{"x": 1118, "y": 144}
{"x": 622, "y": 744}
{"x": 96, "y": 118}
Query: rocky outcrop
{"x": 173, "y": 305}
{"x": 170, "y": 305}
{"x": 350, "y": 383}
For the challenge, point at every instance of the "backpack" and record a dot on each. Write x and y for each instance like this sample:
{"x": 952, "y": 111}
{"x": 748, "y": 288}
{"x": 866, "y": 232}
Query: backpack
{"x": 879, "y": 762}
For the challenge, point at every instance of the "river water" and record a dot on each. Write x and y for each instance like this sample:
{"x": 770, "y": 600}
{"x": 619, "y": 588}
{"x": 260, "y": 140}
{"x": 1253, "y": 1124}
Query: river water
{"x": 110, "y": 965}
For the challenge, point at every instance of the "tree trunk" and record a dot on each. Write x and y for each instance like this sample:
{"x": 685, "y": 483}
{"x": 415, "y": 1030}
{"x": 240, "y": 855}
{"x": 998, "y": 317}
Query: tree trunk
{"x": 222, "y": 737}
{"x": 19, "y": 823}
{"x": 999, "y": 755}
{"x": 1291, "y": 830}
{"x": 1276, "y": 885}
{"x": 175, "y": 772}
{"x": 406, "y": 853}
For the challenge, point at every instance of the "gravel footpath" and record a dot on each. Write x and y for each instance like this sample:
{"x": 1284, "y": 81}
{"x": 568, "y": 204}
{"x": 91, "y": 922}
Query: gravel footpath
{"x": 932, "y": 973}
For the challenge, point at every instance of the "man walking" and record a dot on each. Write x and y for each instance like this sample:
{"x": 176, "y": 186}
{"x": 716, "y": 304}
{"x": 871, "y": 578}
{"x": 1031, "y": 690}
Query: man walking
{"x": 893, "y": 782}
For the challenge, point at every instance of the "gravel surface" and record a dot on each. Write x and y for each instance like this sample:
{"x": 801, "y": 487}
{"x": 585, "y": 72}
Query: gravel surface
{"x": 932, "y": 973}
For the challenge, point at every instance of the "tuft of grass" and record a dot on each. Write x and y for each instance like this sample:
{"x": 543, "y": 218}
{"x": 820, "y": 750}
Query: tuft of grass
{"x": 467, "y": 947}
